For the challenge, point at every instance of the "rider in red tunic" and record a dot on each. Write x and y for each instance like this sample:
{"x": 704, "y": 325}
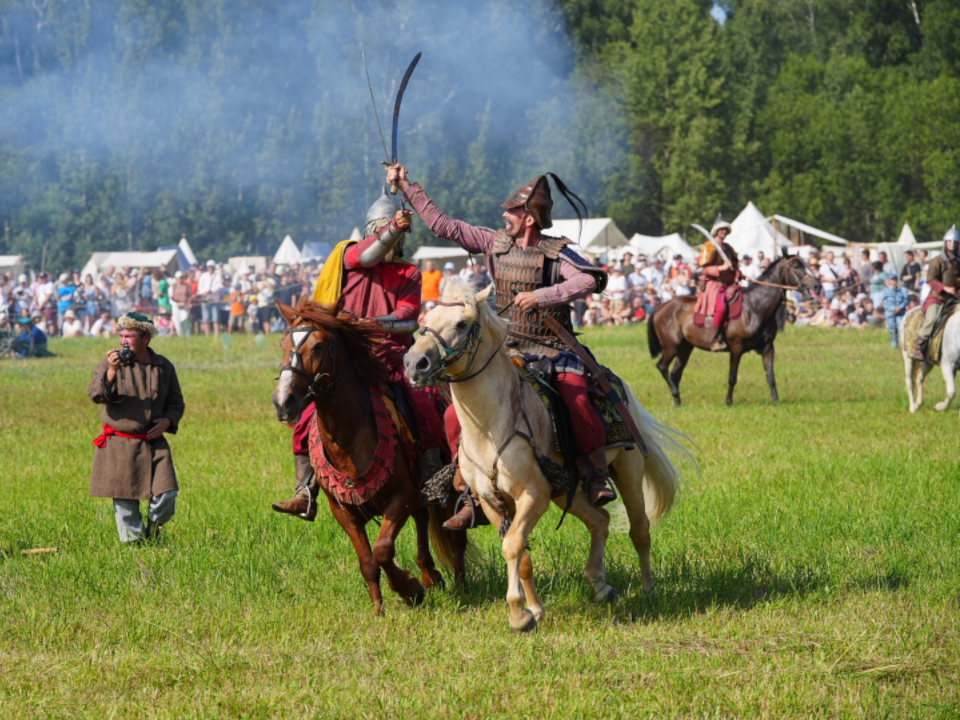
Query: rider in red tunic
{"x": 719, "y": 270}
{"x": 374, "y": 282}
{"x": 535, "y": 274}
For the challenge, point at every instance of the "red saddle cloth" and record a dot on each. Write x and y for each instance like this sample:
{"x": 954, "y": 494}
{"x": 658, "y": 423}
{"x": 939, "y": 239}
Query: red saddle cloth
{"x": 357, "y": 490}
{"x": 729, "y": 305}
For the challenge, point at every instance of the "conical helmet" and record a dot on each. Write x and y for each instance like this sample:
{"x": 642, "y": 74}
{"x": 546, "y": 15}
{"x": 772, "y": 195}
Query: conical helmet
{"x": 952, "y": 235}
{"x": 381, "y": 212}
{"x": 535, "y": 198}
{"x": 720, "y": 224}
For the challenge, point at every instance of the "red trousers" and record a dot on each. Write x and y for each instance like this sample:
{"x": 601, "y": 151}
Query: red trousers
{"x": 573, "y": 389}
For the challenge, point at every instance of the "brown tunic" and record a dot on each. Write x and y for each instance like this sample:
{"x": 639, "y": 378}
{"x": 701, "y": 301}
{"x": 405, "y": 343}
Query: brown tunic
{"x": 131, "y": 469}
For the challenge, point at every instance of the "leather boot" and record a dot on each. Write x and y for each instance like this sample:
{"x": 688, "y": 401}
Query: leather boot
{"x": 593, "y": 471}
{"x": 304, "y": 502}
{"x": 719, "y": 343}
{"x": 920, "y": 351}
{"x": 465, "y": 516}
{"x": 430, "y": 464}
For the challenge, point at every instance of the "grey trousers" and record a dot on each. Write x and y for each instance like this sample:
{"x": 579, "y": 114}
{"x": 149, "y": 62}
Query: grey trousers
{"x": 130, "y": 521}
{"x": 930, "y": 319}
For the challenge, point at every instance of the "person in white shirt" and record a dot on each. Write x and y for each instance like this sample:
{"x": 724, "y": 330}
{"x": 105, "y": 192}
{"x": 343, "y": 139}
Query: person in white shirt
{"x": 636, "y": 279}
{"x": 749, "y": 270}
{"x": 654, "y": 274}
{"x": 617, "y": 283}
{"x": 72, "y": 327}
{"x": 829, "y": 275}
{"x": 210, "y": 290}
{"x": 105, "y": 326}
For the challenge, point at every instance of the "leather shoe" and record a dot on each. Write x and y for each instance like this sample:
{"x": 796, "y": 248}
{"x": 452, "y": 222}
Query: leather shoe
{"x": 460, "y": 521}
{"x": 599, "y": 492}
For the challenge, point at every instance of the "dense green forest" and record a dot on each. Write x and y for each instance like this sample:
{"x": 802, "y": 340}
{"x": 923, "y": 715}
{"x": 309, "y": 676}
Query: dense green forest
{"x": 126, "y": 122}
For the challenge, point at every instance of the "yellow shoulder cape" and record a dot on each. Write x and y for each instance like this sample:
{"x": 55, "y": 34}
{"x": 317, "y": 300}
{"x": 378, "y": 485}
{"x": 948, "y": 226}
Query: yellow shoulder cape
{"x": 330, "y": 283}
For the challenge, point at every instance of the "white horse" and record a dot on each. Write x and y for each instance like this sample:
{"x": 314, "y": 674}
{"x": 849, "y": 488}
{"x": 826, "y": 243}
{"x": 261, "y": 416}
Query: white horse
{"x": 505, "y": 426}
{"x": 916, "y": 371}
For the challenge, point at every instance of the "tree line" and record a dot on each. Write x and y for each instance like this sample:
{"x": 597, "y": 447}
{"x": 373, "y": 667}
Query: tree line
{"x": 126, "y": 122}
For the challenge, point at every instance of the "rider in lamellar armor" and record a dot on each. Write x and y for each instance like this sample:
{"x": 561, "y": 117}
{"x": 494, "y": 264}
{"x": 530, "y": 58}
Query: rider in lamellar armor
{"x": 719, "y": 270}
{"x": 534, "y": 274}
{"x": 374, "y": 282}
{"x": 942, "y": 276}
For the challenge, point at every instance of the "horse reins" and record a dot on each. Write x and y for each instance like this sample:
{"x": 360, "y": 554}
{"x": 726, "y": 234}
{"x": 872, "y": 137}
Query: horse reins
{"x": 299, "y": 335}
{"x": 470, "y": 344}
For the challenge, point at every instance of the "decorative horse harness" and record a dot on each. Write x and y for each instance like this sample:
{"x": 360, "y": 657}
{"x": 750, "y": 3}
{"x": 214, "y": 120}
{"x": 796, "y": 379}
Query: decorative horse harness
{"x": 298, "y": 336}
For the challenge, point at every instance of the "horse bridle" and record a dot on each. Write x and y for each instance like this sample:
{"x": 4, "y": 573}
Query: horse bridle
{"x": 806, "y": 271}
{"x": 450, "y": 355}
{"x": 298, "y": 336}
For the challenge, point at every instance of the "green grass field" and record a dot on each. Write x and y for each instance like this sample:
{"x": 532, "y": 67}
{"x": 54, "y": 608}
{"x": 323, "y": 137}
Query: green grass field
{"x": 812, "y": 572}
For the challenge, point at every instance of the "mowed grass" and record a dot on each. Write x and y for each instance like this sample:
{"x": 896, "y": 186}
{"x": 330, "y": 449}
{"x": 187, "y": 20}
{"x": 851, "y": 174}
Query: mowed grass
{"x": 812, "y": 572}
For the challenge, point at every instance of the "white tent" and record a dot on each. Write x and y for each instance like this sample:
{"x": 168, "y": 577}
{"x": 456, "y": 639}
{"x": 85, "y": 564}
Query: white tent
{"x": 13, "y": 264}
{"x": 288, "y": 253}
{"x": 906, "y": 236}
{"x": 598, "y": 235}
{"x": 442, "y": 255}
{"x": 242, "y": 263}
{"x": 753, "y": 233}
{"x": 187, "y": 251}
{"x": 665, "y": 247}
{"x": 165, "y": 260}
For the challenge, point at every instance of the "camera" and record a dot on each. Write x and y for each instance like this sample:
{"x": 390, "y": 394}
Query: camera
{"x": 127, "y": 356}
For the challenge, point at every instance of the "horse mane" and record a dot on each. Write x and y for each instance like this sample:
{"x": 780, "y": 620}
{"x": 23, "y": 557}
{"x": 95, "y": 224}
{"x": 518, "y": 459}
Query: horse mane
{"x": 766, "y": 274}
{"x": 361, "y": 337}
{"x": 457, "y": 290}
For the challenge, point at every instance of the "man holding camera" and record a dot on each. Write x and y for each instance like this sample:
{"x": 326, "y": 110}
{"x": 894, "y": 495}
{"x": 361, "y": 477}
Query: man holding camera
{"x": 141, "y": 401}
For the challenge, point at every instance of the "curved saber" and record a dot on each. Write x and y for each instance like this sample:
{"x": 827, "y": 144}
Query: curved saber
{"x": 711, "y": 240}
{"x": 396, "y": 111}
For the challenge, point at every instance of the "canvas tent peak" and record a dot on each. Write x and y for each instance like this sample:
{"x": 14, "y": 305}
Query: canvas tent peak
{"x": 288, "y": 253}
{"x": 906, "y": 236}
{"x": 810, "y": 230}
{"x": 753, "y": 233}
{"x": 666, "y": 246}
{"x": 598, "y": 235}
{"x": 187, "y": 251}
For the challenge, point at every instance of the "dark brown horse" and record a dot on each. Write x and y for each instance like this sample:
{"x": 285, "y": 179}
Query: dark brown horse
{"x": 672, "y": 333}
{"x": 332, "y": 365}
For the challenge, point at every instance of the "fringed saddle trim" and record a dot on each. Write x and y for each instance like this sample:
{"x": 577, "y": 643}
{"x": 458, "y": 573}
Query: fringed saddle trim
{"x": 358, "y": 490}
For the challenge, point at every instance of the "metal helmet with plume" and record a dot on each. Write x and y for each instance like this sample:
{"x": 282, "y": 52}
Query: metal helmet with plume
{"x": 383, "y": 208}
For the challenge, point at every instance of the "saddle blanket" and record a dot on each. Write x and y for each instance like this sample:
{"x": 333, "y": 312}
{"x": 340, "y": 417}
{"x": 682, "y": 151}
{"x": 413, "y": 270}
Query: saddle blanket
{"x": 733, "y": 299}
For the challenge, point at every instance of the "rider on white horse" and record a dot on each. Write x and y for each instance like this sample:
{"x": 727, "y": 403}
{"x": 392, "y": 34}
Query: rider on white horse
{"x": 535, "y": 274}
{"x": 942, "y": 278}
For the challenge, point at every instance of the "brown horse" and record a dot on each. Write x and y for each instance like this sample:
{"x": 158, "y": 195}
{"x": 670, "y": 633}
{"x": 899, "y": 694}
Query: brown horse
{"x": 672, "y": 333}
{"x": 332, "y": 365}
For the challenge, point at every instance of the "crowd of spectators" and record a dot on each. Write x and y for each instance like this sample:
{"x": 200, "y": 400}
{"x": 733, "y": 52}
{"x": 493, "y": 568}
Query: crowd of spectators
{"x": 211, "y": 299}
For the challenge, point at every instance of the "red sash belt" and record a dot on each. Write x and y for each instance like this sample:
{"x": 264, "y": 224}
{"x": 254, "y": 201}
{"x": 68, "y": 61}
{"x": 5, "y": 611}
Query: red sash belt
{"x": 109, "y": 432}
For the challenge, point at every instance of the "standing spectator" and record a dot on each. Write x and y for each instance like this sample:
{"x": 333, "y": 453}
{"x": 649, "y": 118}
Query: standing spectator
{"x": 762, "y": 261}
{"x": 180, "y": 295}
{"x": 163, "y": 289}
{"x": 849, "y": 279}
{"x": 478, "y": 277}
{"x": 66, "y": 296}
{"x": 866, "y": 271}
{"x": 265, "y": 304}
{"x": 72, "y": 327}
{"x": 654, "y": 274}
{"x": 617, "y": 283}
{"x": 449, "y": 271}
{"x": 910, "y": 275}
{"x": 895, "y": 301}
{"x": 148, "y": 290}
{"x": 681, "y": 284}
{"x": 210, "y": 290}
{"x": 829, "y": 276}
{"x": 888, "y": 267}
{"x": 164, "y": 323}
{"x": 45, "y": 296}
{"x": 748, "y": 269}
{"x": 22, "y": 297}
{"x": 88, "y": 299}
{"x": 878, "y": 281}
{"x": 238, "y": 308}
{"x": 141, "y": 401}
{"x": 636, "y": 280}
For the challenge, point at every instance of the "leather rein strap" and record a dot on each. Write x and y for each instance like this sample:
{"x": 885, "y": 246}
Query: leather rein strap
{"x": 299, "y": 335}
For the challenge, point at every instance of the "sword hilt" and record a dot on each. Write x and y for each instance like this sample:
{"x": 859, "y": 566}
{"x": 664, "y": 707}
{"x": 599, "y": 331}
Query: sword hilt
{"x": 393, "y": 188}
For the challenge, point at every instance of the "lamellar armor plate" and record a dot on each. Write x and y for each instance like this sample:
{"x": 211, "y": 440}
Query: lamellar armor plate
{"x": 525, "y": 270}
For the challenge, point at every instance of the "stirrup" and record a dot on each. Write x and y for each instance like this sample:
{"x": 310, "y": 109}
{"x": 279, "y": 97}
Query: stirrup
{"x": 466, "y": 499}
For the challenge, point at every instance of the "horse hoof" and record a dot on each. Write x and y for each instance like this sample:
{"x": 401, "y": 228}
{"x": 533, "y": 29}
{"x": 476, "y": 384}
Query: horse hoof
{"x": 729, "y": 402}
{"x": 676, "y": 402}
{"x": 528, "y": 623}
{"x": 433, "y": 579}
{"x": 416, "y": 600}
{"x": 606, "y": 594}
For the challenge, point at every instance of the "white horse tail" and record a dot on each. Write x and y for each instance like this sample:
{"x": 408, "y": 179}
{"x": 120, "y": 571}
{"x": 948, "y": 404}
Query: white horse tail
{"x": 665, "y": 444}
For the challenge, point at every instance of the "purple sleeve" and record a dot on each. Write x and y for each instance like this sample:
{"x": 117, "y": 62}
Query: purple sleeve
{"x": 471, "y": 238}
{"x": 576, "y": 284}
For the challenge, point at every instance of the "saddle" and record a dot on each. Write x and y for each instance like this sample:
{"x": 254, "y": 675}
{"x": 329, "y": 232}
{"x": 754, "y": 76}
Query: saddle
{"x": 733, "y": 298}
{"x": 540, "y": 375}
{"x": 914, "y": 320}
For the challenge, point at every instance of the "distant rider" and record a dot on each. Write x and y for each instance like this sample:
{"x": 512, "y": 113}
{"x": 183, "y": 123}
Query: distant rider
{"x": 942, "y": 278}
